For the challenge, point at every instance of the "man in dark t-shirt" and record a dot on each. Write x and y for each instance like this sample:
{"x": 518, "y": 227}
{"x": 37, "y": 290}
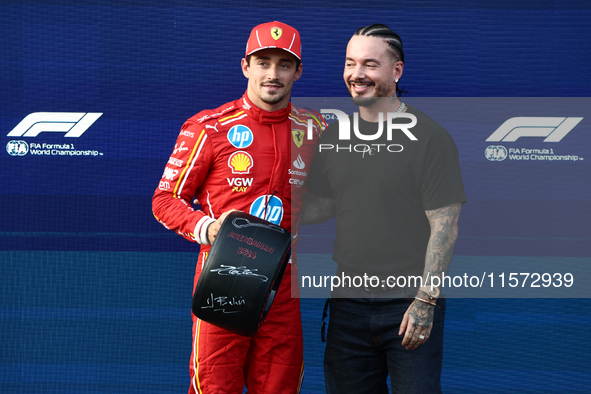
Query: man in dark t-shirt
{"x": 396, "y": 197}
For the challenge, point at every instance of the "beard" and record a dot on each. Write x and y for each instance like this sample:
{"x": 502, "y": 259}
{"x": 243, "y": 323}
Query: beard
{"x": 361, "y": 101}
{"x": 272, "y": 97}
{"x": 381, "y": 91}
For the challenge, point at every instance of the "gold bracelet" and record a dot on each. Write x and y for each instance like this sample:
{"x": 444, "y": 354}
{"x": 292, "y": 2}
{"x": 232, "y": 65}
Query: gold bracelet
{"x": 425, "y": 301}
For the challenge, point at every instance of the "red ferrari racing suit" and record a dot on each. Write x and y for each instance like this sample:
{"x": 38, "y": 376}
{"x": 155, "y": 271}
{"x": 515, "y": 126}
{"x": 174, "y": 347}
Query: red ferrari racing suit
{"x": 240, "y": 156}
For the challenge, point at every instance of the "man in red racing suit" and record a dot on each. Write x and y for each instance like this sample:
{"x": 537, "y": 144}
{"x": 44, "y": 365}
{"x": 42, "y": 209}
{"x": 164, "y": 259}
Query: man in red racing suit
{"x": 251, "y": 154}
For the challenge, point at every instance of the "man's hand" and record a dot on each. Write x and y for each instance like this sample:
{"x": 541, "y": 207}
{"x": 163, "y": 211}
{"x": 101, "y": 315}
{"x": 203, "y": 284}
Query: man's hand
{"x": 214, "y": 228}
{"x": 317, "y": 209}
{"x": 417, "y": 322}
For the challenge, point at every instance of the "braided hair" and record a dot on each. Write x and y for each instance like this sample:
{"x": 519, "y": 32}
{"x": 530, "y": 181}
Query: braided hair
{"x": 393, "y": 40}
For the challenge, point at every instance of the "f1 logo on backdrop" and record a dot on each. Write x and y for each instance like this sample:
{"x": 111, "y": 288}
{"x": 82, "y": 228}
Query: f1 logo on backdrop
{"x": 74, "y": 124}
{"x": 553, "y": 128}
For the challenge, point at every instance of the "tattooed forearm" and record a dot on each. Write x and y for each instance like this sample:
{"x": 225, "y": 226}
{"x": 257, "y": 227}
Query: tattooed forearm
{"x": 452, "y": 210}
{"x": 317, "y": 209}
{"x": 444, "y": 232}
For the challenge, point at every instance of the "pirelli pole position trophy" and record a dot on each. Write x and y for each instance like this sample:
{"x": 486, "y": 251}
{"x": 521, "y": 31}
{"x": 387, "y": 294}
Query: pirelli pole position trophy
{"x": 245, "y": 266}
{"x": 243, "y": 162}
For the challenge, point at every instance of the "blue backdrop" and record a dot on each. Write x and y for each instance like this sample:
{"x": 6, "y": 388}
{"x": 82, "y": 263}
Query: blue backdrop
{"x": 95, "y": 294}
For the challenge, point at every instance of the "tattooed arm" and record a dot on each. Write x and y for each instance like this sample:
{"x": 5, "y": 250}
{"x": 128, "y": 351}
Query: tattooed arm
{"x": 418, "y": 319}
{"x": 444, "y": 233}
{"x": 317, "y": 209}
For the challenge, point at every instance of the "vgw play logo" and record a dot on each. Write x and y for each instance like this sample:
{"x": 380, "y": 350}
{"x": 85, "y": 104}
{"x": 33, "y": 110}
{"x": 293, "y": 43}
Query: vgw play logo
{"x": 554, "y": 129}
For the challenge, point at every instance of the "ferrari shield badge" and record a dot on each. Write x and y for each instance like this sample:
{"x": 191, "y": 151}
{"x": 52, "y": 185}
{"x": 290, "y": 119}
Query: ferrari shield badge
{"x": 298, "y": 137}
{"x": 276, "y": 32}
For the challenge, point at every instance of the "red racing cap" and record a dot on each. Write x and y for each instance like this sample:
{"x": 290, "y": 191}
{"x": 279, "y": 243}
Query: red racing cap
{"x": 274, "y": 35}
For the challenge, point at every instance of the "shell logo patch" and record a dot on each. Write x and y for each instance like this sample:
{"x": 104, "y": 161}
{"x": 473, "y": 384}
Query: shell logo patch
{"x": 240, "y": 162}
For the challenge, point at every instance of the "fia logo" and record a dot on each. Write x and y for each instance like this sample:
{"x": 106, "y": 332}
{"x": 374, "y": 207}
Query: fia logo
{"x": 17, "y": 148}
{"x": 496, "y": 153}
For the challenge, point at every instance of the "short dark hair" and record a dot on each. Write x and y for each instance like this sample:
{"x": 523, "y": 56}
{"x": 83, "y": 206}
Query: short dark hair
{"x": 393, "y": 40}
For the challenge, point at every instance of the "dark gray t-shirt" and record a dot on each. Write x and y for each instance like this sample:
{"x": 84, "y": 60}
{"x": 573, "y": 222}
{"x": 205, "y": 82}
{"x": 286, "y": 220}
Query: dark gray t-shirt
{"x": 382, "y": 195}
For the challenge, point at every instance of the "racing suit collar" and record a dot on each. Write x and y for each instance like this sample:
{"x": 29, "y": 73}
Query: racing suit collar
{"x": 263, "y": 116}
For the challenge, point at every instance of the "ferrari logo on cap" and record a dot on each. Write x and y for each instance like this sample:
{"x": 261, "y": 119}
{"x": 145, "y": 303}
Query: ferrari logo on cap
{"x": 276, "y": 32}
